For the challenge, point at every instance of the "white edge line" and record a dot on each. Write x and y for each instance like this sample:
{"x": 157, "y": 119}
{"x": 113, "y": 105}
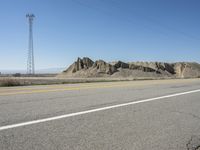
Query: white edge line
{"x": 92, "y": 110}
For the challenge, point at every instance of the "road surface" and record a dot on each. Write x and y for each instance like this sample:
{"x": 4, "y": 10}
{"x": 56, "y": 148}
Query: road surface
{"x": 134, "y": 115}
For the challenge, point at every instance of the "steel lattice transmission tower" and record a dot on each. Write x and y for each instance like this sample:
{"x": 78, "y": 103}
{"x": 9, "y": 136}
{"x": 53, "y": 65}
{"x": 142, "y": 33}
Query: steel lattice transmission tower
{"x": 30, "y": 60}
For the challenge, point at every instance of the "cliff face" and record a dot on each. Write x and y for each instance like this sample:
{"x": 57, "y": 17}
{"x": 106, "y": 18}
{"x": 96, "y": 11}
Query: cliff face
{"x": 87, "y": 68}
{"x": 187, "y": 70}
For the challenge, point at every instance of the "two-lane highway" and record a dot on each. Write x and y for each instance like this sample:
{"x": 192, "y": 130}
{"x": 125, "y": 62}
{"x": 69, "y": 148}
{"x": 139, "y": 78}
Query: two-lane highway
{"x": 157, "y": 114}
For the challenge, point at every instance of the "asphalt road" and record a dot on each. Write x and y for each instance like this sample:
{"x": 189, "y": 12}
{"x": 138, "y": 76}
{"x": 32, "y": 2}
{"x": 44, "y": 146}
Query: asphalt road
{"x": 134, "y": 115}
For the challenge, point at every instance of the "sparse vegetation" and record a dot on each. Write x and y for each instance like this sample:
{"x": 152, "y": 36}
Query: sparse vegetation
{"x": 17, "y": 75}
{"x": 10, "y": 82}
{"x": 27, "y": 81}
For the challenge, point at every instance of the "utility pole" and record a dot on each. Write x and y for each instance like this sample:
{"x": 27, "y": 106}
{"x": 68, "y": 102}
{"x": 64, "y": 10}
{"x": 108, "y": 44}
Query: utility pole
{"x": 30, "y": 60}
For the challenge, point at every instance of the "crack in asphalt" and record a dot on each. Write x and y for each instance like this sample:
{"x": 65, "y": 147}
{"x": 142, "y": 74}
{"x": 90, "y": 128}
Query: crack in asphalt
{"x": 194, "y": 143}
{"x": 189, "y": 114}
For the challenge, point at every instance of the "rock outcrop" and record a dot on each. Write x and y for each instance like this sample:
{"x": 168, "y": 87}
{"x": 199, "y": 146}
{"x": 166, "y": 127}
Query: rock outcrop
{"x": 187, "y": 70}
{"x": 87, "y": 68}
{"x": 80, "y": 64}
{"x": 103, "y": 67}
{"x": 133, "y": 66}
{"x": 120, "y": 64}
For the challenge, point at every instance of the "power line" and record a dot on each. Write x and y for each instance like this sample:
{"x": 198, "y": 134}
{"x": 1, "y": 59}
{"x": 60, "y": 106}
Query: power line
{"x": 142, "y": 16}
{"x": 158, "y": 23}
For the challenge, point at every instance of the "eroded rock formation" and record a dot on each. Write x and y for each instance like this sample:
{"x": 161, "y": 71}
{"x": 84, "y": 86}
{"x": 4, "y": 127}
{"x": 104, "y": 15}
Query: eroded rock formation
{"x": 88, "y": 68}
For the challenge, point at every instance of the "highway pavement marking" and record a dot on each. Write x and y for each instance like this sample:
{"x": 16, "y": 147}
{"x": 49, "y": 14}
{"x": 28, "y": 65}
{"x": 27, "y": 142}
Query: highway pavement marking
{"x": 94, "y": 110}
{"x": 8, "y": 89}
{"x": 52, "y": 87}
{"x": 85, "y": 86}
{"x": 68, "y": 89}
{"x": 72, "y": 88}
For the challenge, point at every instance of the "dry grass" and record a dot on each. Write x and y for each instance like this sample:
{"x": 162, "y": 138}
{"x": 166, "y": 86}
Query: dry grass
{"x": 24, "y": 81}
{"x": 10, "y": 82}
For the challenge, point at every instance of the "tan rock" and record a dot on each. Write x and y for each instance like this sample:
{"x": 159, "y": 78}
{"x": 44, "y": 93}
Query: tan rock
{"x": 87, "y": 68}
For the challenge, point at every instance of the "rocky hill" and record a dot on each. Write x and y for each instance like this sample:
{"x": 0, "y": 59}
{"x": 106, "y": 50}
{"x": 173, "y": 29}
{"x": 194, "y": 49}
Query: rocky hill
{"x": 83, "y": 68}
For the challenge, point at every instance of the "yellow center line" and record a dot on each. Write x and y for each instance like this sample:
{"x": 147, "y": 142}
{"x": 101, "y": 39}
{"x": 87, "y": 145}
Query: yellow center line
{"x": 55, "y": 86}
{"x": 10, "y": 89}
{"x": 87, "y": 86}
{"x": 71, "y": 89}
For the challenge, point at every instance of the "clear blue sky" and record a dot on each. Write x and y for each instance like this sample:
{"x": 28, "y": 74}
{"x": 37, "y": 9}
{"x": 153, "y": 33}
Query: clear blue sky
{"x": 128, "y": 30}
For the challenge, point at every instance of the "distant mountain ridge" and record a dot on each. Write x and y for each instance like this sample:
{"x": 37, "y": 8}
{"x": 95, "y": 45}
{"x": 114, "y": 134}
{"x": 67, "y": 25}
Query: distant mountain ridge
{"x": 40, "y": 71}
{"x": 86, "y": 67}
